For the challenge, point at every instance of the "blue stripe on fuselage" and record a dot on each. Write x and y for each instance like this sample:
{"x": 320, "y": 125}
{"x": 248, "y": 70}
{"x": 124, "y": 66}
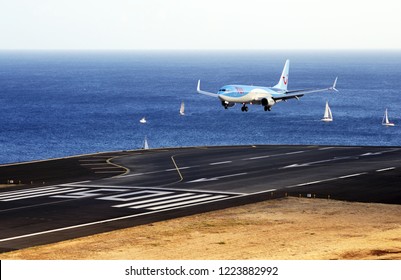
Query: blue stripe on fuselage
{"x": 243, "y": 90}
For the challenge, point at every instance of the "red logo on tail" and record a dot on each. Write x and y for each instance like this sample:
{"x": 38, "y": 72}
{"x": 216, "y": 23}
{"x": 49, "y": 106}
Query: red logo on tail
{"x": 285, "y": 80}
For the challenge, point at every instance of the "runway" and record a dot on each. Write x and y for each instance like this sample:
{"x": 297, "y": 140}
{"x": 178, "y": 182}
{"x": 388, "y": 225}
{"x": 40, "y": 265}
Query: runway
{"x": 83, "y": 195}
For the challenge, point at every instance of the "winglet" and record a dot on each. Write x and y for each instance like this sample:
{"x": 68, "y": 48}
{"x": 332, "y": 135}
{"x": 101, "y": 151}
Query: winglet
{"x": 205, "y": 92}
{"x": 198, "y": 88}
{"x": 334, "y": 85}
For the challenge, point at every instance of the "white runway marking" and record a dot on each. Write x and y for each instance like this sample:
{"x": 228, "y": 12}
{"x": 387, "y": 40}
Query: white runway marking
{"x": 87, "y": 193}
{"x": 104, "y": 172}
{"x": 221, "y": 162}
{"x": 276, "y": 155}
{"x": 325, "y": 180}
{"x": 180, "y": 168}
{"x": 294, "y": 153}
{"x": 260, "y": 157}
{"x": 161, "y": 199}
{"x": 26, "y": 191}
{"x": 385, "y": 169}
{"x": 106, "y": 167}
{"x": 216, "y": 178}
{"x": 103, "y": 221}
{"x": 168, "y": 201}
{"x": 151, "y": 200}
{"x": 93, "y": 164}
{"x": 39, "y": 194}
{"x": 134, "y": 195}
{"x": 352, "y": 175}
{"x": 187, "y": 202}
{"x": 295, "y": 165}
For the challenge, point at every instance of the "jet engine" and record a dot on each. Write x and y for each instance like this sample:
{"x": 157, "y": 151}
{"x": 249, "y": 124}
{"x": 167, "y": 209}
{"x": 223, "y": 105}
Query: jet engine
{"x": 268, "y": 102}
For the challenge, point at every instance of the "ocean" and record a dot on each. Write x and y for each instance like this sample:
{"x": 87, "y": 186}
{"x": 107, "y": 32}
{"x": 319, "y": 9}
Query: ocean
{"x": 64, "y": 103}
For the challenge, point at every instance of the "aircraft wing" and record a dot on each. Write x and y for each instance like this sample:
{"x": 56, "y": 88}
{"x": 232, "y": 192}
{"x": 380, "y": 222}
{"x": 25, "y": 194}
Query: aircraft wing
{"x": 205, "y": 92}
{"x": 301, "y": 92}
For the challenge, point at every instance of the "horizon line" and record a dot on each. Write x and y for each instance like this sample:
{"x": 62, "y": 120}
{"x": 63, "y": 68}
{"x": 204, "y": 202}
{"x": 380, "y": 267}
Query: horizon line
{"x": 206, "y": 50}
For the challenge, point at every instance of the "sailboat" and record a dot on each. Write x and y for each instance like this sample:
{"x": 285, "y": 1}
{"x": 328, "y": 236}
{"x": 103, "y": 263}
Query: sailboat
{"x": 145, "y": 144}
{"x": 385, "y": 120}
{"x": 328, "y": 117}
{"x": 143, "y": 120}
{"x": 182, "y": 109}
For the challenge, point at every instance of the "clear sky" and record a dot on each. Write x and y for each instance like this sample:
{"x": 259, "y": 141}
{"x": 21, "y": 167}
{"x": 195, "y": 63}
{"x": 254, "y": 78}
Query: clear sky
{"x": 200, "y": 24}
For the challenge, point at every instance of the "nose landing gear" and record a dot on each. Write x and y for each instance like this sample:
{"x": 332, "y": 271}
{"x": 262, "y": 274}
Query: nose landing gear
{"x": 244, "y": 108}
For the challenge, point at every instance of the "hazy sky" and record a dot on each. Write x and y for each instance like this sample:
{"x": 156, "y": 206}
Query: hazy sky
{"x": 200, "y": 24}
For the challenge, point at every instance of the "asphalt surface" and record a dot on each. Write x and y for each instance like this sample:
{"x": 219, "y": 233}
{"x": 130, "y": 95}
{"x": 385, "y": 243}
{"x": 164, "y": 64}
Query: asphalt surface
{"x": 55, "y": 200}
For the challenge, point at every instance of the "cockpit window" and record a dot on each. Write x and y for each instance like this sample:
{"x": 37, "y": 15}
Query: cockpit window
{"x": 222, "y": 89}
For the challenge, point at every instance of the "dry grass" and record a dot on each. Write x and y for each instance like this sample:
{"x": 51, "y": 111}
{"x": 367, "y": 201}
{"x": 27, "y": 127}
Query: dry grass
{"x": 290, "y": 228}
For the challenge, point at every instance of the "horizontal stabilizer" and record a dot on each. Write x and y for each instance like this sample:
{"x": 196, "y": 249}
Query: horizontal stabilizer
{"x": 301, "y": 92}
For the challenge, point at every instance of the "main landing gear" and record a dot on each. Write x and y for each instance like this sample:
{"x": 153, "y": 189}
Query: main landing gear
{"x": 244, "y": 108}
{"x": 267, "y": 108}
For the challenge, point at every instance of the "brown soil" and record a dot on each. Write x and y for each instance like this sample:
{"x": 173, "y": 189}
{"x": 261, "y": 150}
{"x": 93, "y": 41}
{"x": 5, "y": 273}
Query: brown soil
{"x": 289, "y": 228}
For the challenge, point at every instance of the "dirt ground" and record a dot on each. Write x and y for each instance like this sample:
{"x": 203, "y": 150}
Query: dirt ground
{"x": 283, "y": 229}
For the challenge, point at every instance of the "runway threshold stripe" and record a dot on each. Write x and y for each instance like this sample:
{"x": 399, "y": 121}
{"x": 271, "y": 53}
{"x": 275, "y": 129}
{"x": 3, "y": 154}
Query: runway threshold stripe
{"x": 152, "y": 200}
{"x": 133, "y": 198}
{"x": 35, "y": 193}
{"x": 26, "y": 191}
{"x": 44, "y": 194}
{"x": 187, "y": 202}
{"x": 169, "y": 201}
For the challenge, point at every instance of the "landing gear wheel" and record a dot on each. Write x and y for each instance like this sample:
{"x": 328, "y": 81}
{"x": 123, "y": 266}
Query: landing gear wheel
{"x": 267, "y": 108}
{"x": 244, "y": 108}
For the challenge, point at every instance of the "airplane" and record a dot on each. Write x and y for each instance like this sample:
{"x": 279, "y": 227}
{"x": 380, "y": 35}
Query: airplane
{"x": 229, "y": 95}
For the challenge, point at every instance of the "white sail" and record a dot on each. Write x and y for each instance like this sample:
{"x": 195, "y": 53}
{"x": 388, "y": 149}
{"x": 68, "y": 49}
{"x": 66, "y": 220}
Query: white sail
{"x": 327, "y": 117}
{"x": 385, "y": 120}
{"x": 182, "y": 109}
{"x": 143, "y": 120}
{"x": 145, "y": 144}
